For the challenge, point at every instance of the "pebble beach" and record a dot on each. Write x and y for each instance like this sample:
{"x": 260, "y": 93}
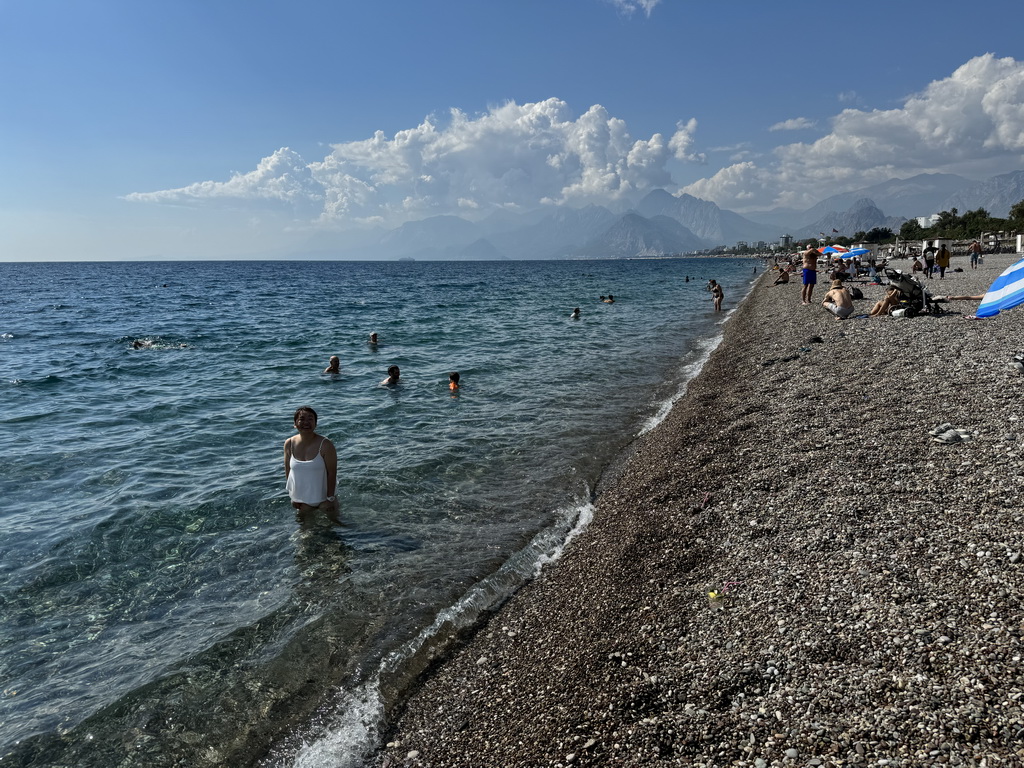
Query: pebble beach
{"x": 788, "y": 571}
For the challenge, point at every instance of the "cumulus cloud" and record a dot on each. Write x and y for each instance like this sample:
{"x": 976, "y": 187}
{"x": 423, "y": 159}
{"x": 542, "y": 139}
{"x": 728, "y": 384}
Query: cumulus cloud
{"x": 513, "y": 156}
{"x": 973, "y": 118}
{"x": 282, "y": 177}
{"x": 795, "y": 124}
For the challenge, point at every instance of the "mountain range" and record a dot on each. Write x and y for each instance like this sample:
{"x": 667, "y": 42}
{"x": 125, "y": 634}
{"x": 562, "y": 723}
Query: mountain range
{"x": 662, "y": 223}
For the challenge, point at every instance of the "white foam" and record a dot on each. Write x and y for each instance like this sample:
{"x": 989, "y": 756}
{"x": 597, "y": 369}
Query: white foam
{"x": 354, "y": 728}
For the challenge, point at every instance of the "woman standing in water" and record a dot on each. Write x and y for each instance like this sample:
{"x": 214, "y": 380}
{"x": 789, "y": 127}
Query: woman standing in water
{"x": 310, "y": 469}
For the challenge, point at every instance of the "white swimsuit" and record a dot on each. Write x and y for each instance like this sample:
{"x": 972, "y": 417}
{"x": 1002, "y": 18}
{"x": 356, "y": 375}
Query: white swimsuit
{"x": 307, "y": 480}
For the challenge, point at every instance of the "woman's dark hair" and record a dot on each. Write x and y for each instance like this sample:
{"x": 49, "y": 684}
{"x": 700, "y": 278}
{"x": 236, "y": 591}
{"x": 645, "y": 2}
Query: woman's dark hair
{"x": 308, "y": 410}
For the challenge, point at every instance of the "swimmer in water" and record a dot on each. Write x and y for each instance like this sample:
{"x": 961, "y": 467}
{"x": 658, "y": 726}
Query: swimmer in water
{"x": 392, "y": 379}
{"x": 335, "y": 366}
{"x": 373, "y": 339}
{"x": 453, "y": 381}
{"x": 609, "y": 300}
{"x": 575, "y": 314}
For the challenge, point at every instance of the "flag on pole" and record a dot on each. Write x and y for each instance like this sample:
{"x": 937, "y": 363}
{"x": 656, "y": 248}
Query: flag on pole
{"x": 835, "y": 231}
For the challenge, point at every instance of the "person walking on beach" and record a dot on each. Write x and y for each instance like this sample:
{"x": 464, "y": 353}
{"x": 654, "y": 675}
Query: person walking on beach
{"x": 810, "y": 274}
{"x": 942, "y": 261}
{"x": 310, "y": 469}
{"x": 716, "y": 294}
{"x": 929, "y": 260}
{"x": 975, "y": 250}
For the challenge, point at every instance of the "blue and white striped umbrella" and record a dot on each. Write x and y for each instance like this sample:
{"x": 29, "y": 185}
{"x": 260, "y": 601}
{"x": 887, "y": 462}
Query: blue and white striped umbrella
{"x": 1007, "y": 291}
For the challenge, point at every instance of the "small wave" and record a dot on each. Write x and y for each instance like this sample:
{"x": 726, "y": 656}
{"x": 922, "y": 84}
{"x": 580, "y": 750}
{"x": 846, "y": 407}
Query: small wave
{"x": 689, "y": 373}
{"x": 354, "y": 731}
{"x": 6, "y": 336}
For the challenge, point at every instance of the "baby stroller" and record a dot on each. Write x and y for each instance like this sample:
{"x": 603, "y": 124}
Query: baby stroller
{"x": 913, "y": 296}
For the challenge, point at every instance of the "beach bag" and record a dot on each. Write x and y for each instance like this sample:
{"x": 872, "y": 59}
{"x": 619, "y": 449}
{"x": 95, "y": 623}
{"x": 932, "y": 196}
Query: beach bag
{"x": 856, "y": 293}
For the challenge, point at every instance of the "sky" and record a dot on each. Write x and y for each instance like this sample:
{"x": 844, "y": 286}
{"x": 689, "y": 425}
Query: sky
{"x": 205, "y": 129}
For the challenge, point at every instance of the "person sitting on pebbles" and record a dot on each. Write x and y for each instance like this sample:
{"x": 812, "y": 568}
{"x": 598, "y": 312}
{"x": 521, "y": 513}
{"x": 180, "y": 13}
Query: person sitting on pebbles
{"x": 887, "y": 304}
{"x": 838, "y": 301}
{"x": 783, "y": 277}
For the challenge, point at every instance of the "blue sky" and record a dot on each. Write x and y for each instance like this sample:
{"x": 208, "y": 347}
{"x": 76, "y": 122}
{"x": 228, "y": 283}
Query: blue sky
{"x": 222, "y": 128}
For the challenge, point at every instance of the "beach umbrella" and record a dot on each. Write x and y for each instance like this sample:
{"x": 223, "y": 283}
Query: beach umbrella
{"x": 1007, "y": 291}
{"x": 833, "y": 249}
{"x": 856, "y": 252}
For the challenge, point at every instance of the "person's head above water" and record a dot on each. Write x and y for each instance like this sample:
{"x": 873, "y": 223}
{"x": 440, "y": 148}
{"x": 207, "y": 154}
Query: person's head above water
{"x": 335, "y": 366}
{"x": 373, "y": 337}
{"x": 304, "y": 413}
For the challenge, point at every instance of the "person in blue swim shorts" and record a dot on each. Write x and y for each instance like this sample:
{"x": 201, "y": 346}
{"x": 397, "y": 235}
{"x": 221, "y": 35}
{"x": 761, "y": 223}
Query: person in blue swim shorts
{"x": 810, "y": 274}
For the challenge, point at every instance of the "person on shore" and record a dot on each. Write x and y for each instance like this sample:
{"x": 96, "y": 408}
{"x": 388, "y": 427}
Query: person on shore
{"x": 975, "y": 249}
{"x": 783, "y": 277}
{"x": 334, "y": 366}
{"x": 942, "y": 260}
{"x": 393, "y": 375}
{"x": 887, "y": 304}
{"x": 978, "y": 297}
{"x": 453, "y": 381}
{"x": 310, "y": 469}
{"x": 575, "y": 314}
{"x": 838, "y": 301}
{"x": 810, "y": 274}
{"x": 929, "y": 260}
{"x": 717, "y": 294}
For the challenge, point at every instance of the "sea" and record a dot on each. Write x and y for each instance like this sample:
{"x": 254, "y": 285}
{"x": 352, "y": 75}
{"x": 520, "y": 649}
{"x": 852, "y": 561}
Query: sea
{"x": 159, "y": 602}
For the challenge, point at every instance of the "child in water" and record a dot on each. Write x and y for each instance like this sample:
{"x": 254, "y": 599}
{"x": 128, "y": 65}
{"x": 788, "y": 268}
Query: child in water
{"x": 453, "y": 380}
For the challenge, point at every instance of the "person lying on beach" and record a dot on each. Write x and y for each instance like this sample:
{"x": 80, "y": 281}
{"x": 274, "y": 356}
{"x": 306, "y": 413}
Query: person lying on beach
{"x": 887, "y": 304}
{"x": 453, "y": 380}
{"x": 310, "y": 469}
{"x": 783, "y": 277}
{"x": 838, "y": 301}
{"x": 335, "y": 365}
{"x": 979, "y": 297}
{"x": 392, "y": 379}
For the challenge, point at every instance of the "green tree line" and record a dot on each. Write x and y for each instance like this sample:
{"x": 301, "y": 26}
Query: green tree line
{"x": 955, "y": 226}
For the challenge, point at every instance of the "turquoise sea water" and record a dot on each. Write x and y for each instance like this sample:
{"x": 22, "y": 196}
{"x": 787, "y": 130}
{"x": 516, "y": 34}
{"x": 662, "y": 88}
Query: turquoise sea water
{"x": 161, "y": 606}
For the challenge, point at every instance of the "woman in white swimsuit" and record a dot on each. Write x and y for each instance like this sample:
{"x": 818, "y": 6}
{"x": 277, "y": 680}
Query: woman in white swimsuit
{"x": 310, "y": 469}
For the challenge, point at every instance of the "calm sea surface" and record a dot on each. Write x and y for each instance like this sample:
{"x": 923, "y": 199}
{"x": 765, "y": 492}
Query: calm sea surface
{"x": 159, "y": 604}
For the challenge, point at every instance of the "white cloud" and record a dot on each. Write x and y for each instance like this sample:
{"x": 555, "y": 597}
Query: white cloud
{"x": 510, "y": 157}
{"x": 972, "y": 119}
{"x": 631, "y": 6}
{"x": 282, "y": 177}
{"x": 795, "y": 124}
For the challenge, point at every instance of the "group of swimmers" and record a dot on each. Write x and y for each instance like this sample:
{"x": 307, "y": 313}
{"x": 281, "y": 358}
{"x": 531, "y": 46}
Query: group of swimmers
{"x": 394, "y": 372}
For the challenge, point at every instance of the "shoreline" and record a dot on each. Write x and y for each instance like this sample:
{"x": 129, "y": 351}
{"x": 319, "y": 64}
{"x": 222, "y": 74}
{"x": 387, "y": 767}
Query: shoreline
{"x": 870, "y": 578}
